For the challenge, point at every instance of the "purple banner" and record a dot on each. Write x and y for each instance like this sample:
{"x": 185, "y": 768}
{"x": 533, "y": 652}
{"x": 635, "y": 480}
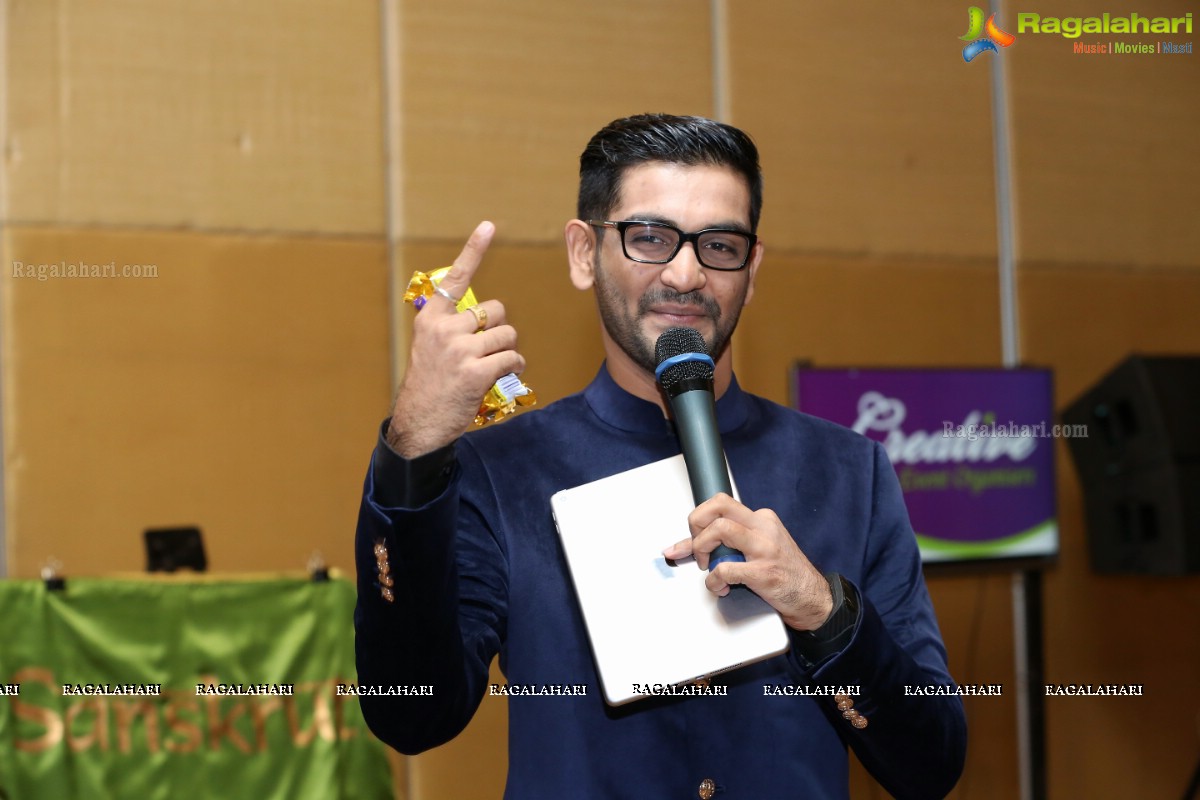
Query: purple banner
{"x": 973, "y": 450}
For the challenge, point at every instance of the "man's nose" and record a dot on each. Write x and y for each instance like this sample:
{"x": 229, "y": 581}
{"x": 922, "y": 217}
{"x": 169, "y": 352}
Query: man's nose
{"x": 684, "y": 273}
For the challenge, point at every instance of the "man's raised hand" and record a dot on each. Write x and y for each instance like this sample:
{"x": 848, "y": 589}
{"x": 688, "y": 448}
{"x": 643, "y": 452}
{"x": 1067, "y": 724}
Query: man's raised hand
{"x": 451, "y": 363}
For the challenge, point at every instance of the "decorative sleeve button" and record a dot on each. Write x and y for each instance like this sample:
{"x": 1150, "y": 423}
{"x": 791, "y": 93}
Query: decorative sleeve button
{"x": 845, "y": 704}
{"x": 383, "y": 572}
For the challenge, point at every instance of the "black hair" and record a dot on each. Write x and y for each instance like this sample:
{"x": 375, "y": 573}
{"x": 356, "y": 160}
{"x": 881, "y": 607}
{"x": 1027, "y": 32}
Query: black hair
{"x": 689, "y": 141}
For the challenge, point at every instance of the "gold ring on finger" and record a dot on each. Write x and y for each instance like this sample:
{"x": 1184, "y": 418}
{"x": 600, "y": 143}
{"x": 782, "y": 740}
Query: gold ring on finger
{"x": 480, "y": 317}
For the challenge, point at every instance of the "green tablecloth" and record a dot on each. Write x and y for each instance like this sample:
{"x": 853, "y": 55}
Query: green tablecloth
{"x": 60, "y": 739}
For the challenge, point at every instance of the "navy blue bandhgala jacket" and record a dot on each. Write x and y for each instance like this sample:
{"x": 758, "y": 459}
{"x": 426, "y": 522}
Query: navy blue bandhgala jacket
{"x": 479, "y": 570}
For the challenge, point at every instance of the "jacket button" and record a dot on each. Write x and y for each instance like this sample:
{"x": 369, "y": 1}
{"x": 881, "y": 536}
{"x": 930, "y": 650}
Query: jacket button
{"x": 708, "y": 789}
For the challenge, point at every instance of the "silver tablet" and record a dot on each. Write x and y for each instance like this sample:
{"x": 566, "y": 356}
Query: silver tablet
{"x": 652, "y": 623}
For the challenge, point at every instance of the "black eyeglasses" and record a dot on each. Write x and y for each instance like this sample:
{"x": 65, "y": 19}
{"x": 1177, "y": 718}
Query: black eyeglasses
{"x": 658, "y": 243}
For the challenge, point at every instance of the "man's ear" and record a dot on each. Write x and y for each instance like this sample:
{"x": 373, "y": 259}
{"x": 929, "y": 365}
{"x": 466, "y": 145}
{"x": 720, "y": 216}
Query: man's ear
{"x": 581, "y": 253}
{"x": 755, "y": 260}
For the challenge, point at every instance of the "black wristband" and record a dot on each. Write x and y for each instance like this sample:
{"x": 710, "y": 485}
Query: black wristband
{"x": 837, "y": 631}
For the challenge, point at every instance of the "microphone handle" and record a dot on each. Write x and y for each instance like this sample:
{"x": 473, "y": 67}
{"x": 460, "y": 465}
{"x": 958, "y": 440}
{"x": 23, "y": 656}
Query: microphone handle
{"x": 696, "y": 424}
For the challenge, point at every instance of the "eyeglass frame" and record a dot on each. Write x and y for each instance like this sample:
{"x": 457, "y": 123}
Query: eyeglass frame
{"x": 684, "y": 238}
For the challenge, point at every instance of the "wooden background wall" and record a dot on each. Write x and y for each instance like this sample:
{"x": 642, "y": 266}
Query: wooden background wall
{"x": 283, "y": 164}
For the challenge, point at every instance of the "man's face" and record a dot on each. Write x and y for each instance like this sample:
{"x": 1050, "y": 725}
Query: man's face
{"x": 639, "y": 301}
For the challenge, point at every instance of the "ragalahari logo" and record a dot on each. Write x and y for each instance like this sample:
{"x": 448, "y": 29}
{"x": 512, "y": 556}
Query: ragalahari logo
{"x": 983, "y": 36}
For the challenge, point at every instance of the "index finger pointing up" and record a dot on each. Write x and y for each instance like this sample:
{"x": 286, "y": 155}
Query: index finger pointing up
{"x": 458, "y": 279}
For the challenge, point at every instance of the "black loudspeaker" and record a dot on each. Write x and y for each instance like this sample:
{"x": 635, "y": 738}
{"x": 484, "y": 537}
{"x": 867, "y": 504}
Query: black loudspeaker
{"x": 170, "y": 549}
{"x": 1140, "y": 465}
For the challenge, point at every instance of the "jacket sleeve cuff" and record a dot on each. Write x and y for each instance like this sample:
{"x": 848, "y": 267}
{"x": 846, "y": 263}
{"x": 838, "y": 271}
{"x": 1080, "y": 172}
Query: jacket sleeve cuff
{"x": 409, "y": 482}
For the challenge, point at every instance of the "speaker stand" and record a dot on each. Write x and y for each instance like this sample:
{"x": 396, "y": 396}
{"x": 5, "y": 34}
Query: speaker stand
{"x": 1031, "y": 718}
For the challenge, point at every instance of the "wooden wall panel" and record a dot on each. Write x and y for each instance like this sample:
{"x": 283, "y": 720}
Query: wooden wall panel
{"x": 225, "y": 115}
{"x": 1106, "y": 159}
{"x": 876, "y": 136}
{"x": 239, "y": 390}
{"x": 1085, "y": 319}
{"x": 975, "y": 616}
{"x": 498, "y": 102}
{"x": 842, "y": 311}
{"x": 1114, "y": 629}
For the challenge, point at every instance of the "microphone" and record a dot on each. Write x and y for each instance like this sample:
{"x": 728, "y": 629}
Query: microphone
{"x": 685, "y": 373}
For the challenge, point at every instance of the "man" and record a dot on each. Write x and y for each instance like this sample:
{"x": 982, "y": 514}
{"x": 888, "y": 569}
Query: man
{"x": 458, "y": 557}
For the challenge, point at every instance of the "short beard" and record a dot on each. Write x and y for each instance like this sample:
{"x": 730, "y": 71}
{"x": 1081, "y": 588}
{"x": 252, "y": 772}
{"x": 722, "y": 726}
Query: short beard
{"x": 626, "y": 330}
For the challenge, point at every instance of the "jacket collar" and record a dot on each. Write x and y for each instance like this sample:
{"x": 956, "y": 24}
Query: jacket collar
{"x": 620, "y": 409}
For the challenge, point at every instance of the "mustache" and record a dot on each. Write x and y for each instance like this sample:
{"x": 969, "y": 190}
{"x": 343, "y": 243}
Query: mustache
{"x": 665, "y": 295}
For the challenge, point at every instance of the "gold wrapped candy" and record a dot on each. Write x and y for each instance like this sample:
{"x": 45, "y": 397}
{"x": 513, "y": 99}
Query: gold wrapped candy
{"x": 507, "y": 393}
